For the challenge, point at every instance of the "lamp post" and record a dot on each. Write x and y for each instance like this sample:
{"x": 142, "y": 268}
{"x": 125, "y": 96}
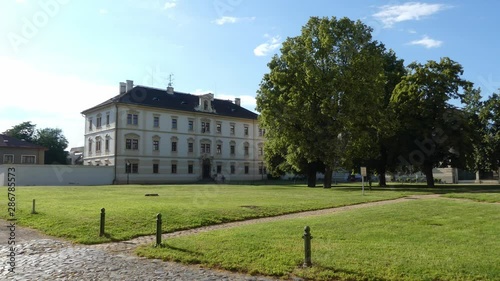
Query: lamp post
{"x": 128, "y": 171}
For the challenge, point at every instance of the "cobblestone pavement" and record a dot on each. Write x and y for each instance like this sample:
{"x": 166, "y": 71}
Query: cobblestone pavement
{"x": 39, "y": 257}
{"x": 48, "y": 259}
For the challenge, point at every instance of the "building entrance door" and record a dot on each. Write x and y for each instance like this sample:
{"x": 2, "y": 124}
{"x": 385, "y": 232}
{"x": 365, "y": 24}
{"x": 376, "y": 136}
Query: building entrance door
{"x": 206, "y": 169}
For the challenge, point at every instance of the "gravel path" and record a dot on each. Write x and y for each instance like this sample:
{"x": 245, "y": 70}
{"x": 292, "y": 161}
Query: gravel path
{"x": 40, "y": 257}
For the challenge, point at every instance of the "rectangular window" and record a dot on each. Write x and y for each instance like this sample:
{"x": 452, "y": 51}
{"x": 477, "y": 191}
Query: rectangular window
{"x": 190, "y": 168}
{"x": 233, "y": 169}
{"x": 205, "y": 127}
{"x": 90, "y": 147}
{"x": 156, "y": 145}
{"x": 107, "y": 119}
{"x": 232, "y": 149}
{"x": 8, "y": 158}
{"x": 132, "y": 119}
{"x": 247, "y": 169}
{"x": 261, "y": 151}
{"x": 219, "y": 128}
{"x": 205, "y": 148}
{"x": 191, "y": 125}
{"x": 98, "y": 146}
{"x": 106, "y": 144}
{"x": 131, "y": 168}
{"x": 246, "y": 130}
{"x": 219, "y": 169}
{"x": 90, "y": 124}
{"x": 28, "y": 159}
{"x": 260, "y": 132}
{"x": 219, "y": 148}
{"x": 246, "y": 151}
{"x": 231, "y": 129}
{"x": 155, "y": 168}
{"x": 156, "y": 121}
{"x": 174, "y": 123}
{"x": 174, "y": 146}
{"x": 98, "y": 122}
{"x": 132, "y": 144}
{"x": 190, "y": 147}
{"x": 174, "y": 168}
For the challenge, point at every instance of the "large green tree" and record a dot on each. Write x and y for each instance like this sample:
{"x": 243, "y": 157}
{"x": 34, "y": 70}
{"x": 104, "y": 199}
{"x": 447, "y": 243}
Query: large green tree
{"x": 434, "y": 132}
{"x": 321, "y": 93}
{"x": 490, "y": 118}
{"x": 56, "y": 142}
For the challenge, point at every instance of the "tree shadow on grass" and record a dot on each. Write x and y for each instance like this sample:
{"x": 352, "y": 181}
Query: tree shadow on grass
{"x": 438, "y": 189}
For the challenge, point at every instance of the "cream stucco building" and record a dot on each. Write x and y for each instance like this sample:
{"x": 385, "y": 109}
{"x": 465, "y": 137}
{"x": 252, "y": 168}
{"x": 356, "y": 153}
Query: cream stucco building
{"x": 155, "y": 135}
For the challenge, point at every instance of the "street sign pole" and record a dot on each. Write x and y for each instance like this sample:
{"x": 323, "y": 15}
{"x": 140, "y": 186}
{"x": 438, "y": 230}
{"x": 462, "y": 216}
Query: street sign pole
{"x": 363, "y": 175}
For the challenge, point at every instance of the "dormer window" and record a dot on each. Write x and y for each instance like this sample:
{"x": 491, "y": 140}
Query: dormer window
{"x": 205, "y": 103}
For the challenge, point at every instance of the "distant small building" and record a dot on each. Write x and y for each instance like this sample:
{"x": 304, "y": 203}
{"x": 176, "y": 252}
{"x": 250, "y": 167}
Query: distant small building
{"x": 75, "y": 156}
{"x": 16, "y": 151}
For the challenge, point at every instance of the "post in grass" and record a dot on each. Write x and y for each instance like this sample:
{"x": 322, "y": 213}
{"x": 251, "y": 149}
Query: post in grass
{"x": 158, "y": 230}
{"x": 33, "y": 211}
{"x": 101, "y": 228}
{"x": 307, "y": 246}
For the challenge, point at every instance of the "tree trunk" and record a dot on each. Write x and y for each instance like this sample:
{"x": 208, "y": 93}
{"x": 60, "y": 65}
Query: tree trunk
{"x": 311, "y": 174}
{"x": 427, "y": 169}
{"x": 382, "y": 166}
{"x": 327, "y": 182}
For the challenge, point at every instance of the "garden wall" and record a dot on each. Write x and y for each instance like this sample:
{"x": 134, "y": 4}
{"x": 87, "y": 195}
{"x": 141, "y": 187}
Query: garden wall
{"x": 49, "y": 175}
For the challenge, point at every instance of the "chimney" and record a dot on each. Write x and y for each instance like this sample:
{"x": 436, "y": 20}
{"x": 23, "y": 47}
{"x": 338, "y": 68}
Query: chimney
{"x": 170, "y": 89}
{"x": 237, "y": 101}
{"x": 130, "y": 85}
{"x": 122, "y": 88}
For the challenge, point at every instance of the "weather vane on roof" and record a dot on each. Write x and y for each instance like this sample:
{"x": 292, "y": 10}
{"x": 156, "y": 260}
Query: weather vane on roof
{"x": 170, "y": 79}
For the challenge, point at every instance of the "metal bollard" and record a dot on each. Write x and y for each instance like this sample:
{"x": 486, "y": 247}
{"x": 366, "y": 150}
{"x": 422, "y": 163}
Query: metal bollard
{"x": 101, "y": 228}
{"x": 33, "y": 208}
{"x": 158, "y": 230}
{"x": 307, "y": 246}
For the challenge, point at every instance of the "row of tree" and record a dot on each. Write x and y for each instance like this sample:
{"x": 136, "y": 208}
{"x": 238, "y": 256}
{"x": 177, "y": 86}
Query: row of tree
{"x": 50, "y": 138}
{"x": 335, "y": 98}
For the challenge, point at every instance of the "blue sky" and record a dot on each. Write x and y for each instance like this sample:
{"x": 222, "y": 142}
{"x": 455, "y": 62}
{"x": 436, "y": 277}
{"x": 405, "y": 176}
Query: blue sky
{"x": 59, "y": 57}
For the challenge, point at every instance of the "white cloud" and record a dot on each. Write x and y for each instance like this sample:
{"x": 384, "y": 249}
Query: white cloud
{"x": 391, "y": 14}
{"x": 427, "y": 42}
{"x": 169, "y": 5}
{"x": 48, "y": 100}
{"x": 225, "y": 19}
{"x": 266, "y": 48}
{"x": 103, "y": 11}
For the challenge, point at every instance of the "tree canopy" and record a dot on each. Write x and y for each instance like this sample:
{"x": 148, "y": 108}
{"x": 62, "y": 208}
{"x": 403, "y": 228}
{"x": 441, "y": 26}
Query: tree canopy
{"x": 334, "y": 97}
{"x": 320, "y": 94}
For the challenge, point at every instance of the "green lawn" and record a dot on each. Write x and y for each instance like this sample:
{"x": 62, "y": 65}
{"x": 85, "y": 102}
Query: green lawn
{"x": 432, "y": 239}
{"x": 73, "y": 212}
{"x": 490, "y": 196}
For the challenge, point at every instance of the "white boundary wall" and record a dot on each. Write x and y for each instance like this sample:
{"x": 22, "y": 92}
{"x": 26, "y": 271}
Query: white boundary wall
{"x": 49, "y": 175}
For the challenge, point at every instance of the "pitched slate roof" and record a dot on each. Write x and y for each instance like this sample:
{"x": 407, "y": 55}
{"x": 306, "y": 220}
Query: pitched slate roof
{"x": 10, "y": 142}
{"x": 159, "y": 98}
